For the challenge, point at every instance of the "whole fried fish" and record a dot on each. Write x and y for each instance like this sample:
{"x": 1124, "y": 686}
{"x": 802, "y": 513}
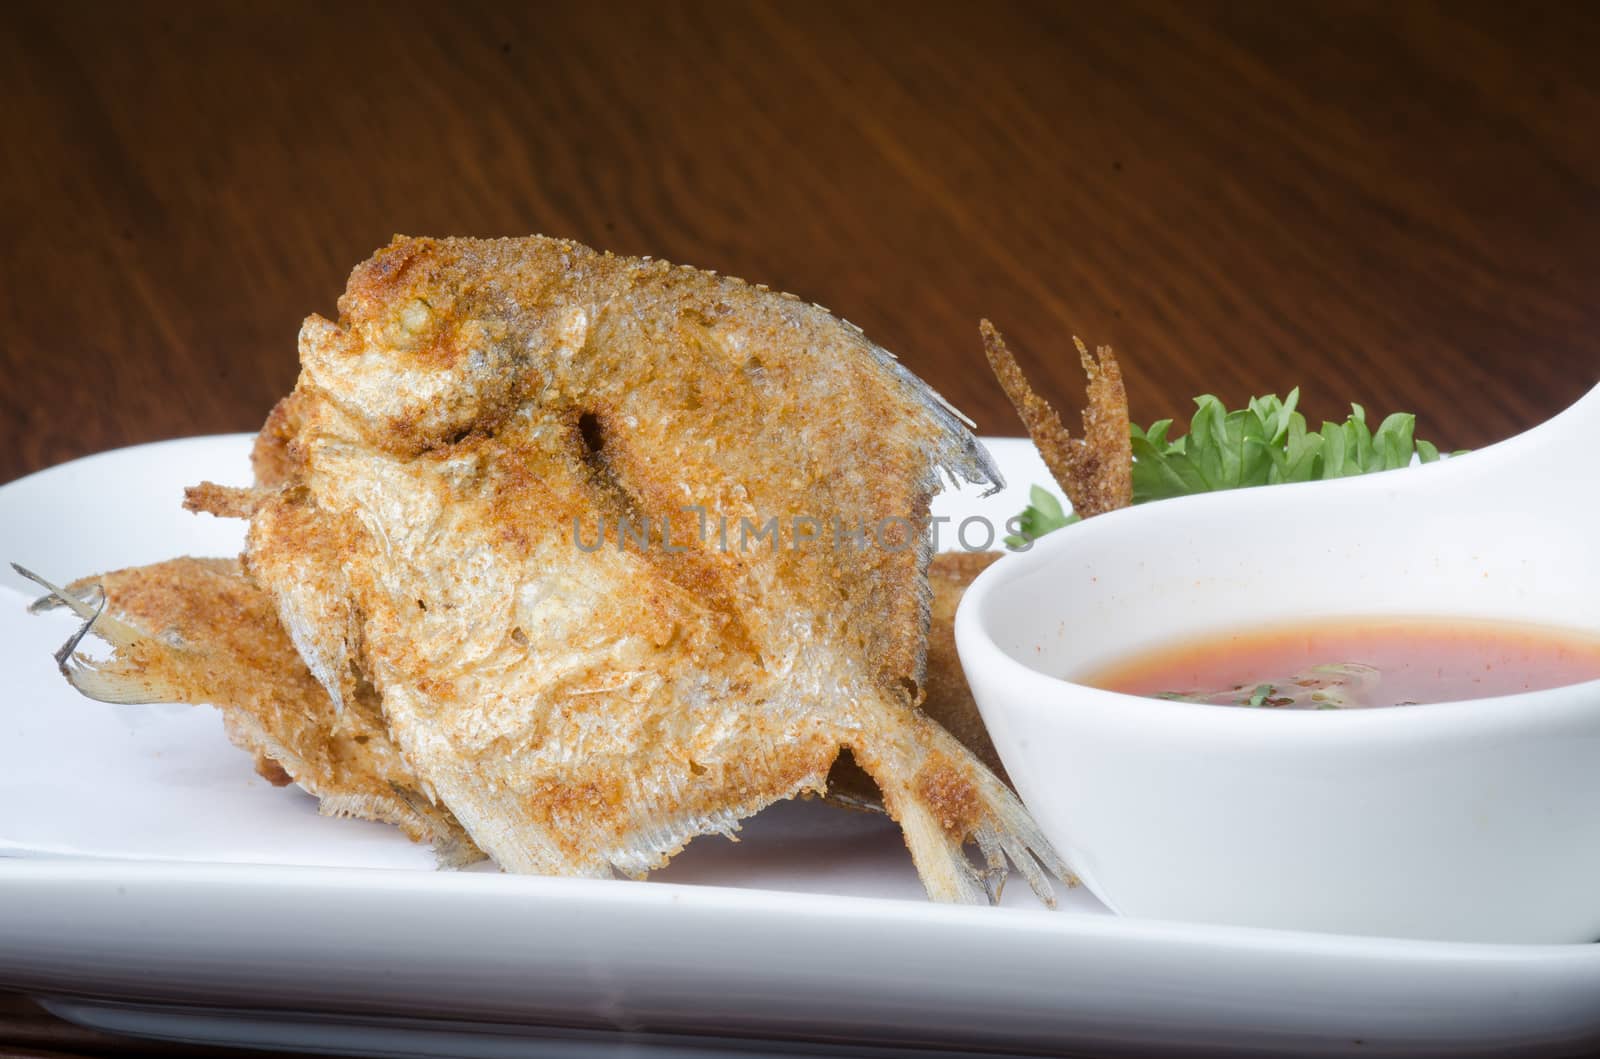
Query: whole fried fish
{"x": 622, "y": 551}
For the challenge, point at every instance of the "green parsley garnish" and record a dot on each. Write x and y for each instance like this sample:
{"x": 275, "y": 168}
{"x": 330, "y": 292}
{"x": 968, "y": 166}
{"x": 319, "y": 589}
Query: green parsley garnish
{"x": 1042, "y": 515}
{"x": 1265, "y": 443}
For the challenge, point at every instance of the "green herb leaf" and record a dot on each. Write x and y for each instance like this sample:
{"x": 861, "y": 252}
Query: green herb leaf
{"x": 1392, "y": 445}
{"x": 1043, "y": 514}
{"x": 1265, "y": 443}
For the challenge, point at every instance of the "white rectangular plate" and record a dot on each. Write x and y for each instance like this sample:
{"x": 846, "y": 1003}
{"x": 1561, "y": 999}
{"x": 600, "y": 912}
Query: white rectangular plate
{"x": 143, "y": 864}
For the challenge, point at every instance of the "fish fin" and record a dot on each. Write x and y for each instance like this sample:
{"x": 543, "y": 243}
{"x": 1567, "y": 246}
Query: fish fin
{"x": 943, "y": 797}
{"x": 117, "y": 679}
{"x": 942, "y": 864}
{"x": 453, "y": 849}
{"x": 225, "y": 501}
{"x": 958, "y": 452}
{"x": 113, "y": 631}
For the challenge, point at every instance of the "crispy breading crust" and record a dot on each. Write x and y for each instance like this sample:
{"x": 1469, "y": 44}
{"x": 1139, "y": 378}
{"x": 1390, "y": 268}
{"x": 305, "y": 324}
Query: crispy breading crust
{"x": 1095, "y": 471}
{"x": 210, "y": 635}
{"x": 947, "y": 697}
{"x": 272, "y": 459}
{"x": 223, "y": 501}
{"x": 583, "y": 711}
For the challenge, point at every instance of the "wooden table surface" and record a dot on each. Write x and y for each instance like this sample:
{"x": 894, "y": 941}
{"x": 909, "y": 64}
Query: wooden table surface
{"x": 1393, "y": 204}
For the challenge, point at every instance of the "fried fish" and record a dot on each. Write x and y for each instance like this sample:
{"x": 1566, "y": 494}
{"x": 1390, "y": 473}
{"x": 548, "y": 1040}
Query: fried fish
{"x": 1096, "y": 470}
{"x": 619, "y": 553}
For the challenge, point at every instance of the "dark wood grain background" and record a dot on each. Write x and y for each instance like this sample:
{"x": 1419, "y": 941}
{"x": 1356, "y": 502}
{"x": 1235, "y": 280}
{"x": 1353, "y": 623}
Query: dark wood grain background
{"x": 1396, "y": 204}
{"x": 1393, "y": 204}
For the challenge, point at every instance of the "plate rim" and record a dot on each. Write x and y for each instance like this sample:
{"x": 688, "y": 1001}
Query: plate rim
{"x": 1447, "y": 971}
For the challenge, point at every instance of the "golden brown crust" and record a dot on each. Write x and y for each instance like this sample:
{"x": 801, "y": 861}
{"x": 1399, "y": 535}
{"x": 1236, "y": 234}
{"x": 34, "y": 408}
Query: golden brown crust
{"x": 432, "y": 305}
{"x": 948, "y": 699}
{"x": 1095, "y": 471}
{"x": 946, "y": 789}
{"x": 223, "y": 501}
{"x": 271, "y": 771}
{"x": 273, "y": 459}
{"x": 214, "y": 637}
{"x": 479, "y": 406}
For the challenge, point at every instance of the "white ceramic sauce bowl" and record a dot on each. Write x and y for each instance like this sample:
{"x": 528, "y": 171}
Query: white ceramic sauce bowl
{"x": 1476, "y": 820}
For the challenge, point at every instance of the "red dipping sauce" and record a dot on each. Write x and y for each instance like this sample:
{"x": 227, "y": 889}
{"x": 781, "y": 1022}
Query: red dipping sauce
{"x": 1349, "y": 663}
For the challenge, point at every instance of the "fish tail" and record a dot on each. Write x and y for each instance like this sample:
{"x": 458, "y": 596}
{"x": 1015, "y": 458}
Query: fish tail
{"x": 126, "y": 678}
{"x": 944, "y": 798}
